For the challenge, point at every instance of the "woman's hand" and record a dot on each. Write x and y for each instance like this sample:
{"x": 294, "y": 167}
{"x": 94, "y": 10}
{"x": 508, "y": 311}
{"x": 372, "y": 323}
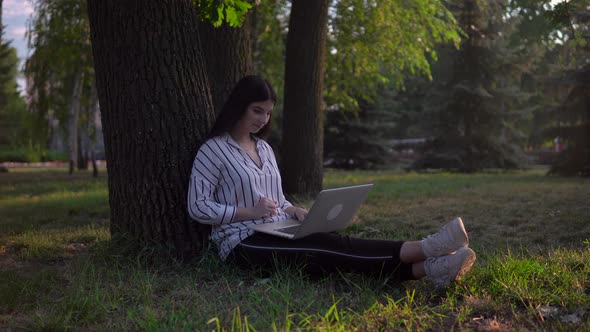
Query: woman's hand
{"x": 264, "y": 208}
{"x": 296, "y": 212}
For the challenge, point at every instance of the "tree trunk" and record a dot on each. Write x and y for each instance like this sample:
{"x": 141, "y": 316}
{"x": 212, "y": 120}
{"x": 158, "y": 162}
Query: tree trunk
{"x": 83, "y": 139}
{"x": 469, "y": 165}
{"x": 228, "y": 57}
{"x": 82, "y": 162}
{"x": 92, "y": 118}
{"x": 1, "y": 22}
{"x": 73, "y": 120}
{"x": 302, "y": 143}
{"x": 156, "y": 109}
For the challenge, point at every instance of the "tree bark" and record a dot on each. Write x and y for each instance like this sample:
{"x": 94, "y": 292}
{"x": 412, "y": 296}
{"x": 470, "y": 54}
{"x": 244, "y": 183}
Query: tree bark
{"x": 156, "y": 109}
{"x": 83, "y": 137}
{"x": 302, "y": 142}
{"x": 82, "y": 162}
{"x": 73, "y": 143}
{"x": 1, "y": 22}
{"x": 94, "y": 106}
{"x": 228, "y": 57}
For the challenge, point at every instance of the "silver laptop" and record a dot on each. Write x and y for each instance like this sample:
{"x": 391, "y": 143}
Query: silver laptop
{"x": 332, "y": 211}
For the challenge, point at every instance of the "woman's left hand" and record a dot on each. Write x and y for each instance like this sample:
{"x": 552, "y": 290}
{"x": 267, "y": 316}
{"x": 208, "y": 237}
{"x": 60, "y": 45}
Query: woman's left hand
{"x": 297, "y": 212}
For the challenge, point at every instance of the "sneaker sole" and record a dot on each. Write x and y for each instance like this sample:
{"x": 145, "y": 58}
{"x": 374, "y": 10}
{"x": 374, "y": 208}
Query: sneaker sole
{"x": 468, "y": 260}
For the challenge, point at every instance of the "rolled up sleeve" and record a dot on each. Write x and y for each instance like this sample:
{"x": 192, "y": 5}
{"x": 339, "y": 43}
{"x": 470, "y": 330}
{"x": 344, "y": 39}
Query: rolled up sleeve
{"x": 202, "y": 205}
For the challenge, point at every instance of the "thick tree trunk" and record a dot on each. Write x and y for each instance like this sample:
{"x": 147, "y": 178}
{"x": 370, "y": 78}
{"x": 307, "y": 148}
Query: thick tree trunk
{"x": 302, "y": 144}
{"x": 228, "y": 57}
{"x": 156, "y": 109}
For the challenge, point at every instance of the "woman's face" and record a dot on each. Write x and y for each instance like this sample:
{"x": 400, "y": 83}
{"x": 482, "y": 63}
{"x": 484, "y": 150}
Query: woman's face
{"x": 256, "y": 116}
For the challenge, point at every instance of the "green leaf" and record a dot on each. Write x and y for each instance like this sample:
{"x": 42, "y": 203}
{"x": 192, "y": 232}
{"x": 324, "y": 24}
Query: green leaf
{"x": 217, "y": 11}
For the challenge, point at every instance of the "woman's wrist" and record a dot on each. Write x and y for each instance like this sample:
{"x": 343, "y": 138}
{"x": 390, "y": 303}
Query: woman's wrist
{"x": 244, "y": 213}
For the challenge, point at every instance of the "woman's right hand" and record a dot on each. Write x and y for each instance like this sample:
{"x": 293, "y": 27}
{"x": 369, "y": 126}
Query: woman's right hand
{"x": 265, "y": 208}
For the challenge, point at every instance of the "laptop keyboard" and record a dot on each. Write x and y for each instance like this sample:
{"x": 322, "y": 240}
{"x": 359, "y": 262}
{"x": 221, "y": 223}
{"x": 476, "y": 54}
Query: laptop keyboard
{"x": 288, "y": 230}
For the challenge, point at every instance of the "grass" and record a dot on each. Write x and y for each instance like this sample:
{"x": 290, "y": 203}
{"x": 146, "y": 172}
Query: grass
{"x": 59, "y": 269}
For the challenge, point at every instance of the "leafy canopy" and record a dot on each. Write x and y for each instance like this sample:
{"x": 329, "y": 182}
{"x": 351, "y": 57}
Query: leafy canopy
{"x": 219, "y": 11}
{"x": 375, "y": 42}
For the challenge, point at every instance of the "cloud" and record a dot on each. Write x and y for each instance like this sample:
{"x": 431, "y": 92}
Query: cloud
{"x": 22, "y": 85}
{"x": 14, "y": 8}
{"x": 16, "y": 33}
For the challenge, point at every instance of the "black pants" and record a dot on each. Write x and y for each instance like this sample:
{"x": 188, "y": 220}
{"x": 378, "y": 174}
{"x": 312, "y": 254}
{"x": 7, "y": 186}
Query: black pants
{"x": 324, "y": 253}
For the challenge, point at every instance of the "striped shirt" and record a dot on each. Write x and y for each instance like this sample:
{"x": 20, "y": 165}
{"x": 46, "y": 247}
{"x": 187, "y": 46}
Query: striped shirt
{"x": 224, "y": 177}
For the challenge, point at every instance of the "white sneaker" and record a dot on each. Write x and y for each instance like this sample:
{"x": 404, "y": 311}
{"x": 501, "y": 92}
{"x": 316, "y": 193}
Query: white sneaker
{"x": 451, "y": 237}
{"x": 446, "y": 269}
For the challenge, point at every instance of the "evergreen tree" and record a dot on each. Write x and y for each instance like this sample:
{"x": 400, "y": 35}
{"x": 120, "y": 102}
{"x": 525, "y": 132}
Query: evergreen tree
{"x": 374, "y": 46}
{"x": 477, "y": 103}
{"x": 571, "y": 118}
{"x": 359, "y": 139}
{"x": 13, "y": 118}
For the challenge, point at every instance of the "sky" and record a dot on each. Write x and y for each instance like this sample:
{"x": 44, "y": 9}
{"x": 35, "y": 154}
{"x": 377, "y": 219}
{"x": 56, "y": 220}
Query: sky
{"x": 15, "y": 14}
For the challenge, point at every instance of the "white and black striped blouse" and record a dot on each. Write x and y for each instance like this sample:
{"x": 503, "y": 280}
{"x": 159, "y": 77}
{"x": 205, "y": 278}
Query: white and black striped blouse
{"x": 224, "y": 177}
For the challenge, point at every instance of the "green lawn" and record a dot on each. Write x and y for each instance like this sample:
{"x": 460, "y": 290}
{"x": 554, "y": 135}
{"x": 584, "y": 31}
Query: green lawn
{"x": 60, "y": 271}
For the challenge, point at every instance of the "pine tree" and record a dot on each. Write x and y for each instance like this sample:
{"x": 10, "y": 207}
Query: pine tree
{"x": 374, "y": 48}
{"x": 571, "y": 118}
{"x": 359, "y": 140}
{"x": 476, "y": 104}
{"x": 12, "y": 106}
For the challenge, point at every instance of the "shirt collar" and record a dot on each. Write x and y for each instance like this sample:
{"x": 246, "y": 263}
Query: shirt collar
{"x": 227, "y": 137}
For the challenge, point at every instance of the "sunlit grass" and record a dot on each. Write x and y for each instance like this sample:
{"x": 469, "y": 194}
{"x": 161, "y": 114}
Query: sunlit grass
{"x": 56, "y": 242}
{"x": 559, "y": 277}
{"x": 59, "y": 269}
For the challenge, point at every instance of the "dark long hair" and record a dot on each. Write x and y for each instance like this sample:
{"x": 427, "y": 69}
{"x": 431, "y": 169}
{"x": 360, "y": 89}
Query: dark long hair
{"x": 248, "y": 90}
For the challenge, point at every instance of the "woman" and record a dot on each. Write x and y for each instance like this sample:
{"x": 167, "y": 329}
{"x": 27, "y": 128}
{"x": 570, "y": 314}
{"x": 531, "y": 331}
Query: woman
{"x": 235, "y": 182}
